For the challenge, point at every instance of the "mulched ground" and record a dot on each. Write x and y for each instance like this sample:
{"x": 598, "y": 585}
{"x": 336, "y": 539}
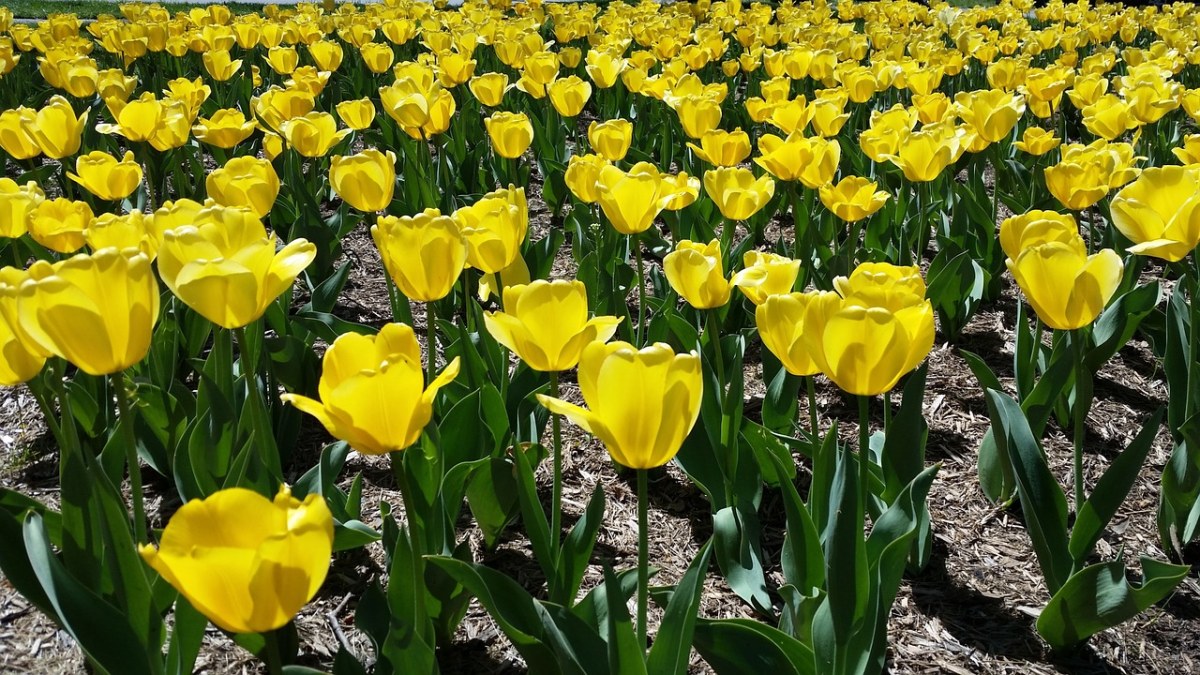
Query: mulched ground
{"x": 971, "y": 611}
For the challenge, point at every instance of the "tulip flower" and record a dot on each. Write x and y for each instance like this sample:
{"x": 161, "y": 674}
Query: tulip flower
{"x": 811, "y": 161}
{"x": 611, "y": 138}
{"x": 247, "y": 563}
{"x": 313, "y": 134}
{"x": 225, "y": 129}
{"x": 423, "y": 254}
{"x": 58, "y": 224}
{"x": 366, "y": 180}
{"x": 377, "y": 57}
{"x": 511, "y": 133}
{"x": 698, "y": 115}
{"x": 694, "y": 271}
{"x": 131, "y": 230}
{"x": 14, "y": 137}
{"x": 1037, "y": 141}
{"x": 923, "y": 155}
{"x": 245, "y": 182}
{"x": 1160, "y": 212}
{"x": 489, "y": 89}
{"x": 494, "y": 228}
{"x": 1066, "y": 287}
{"x": 357, "y": 114}
{"x": 106, "y": 177}
{"x": 603, "y": 68}
{"x": 97, "y": 311}
{"x": 326, "y": 54}
{"x": 991, "y": 113}
{"x": 20, "y": 358}
{"x": 852, "y": 198}
{"x": 780, "y": 322}
{"x": 583, "y": 172}
{"x": 1077, "y": 185}
{"x": 55, "y": 128}
{"x": 765, "y": 274}
{"x": 568, "y": 95}
{"x": 546, "y": 324}
{"x": 737, "y": 193}
{"x": 276, "y": 106}
{"x": 17, "y": 204}
{"x": 631, "y": 201}
{"x": 283, "y": 60}
{"x": 1189, "y": 154}
{"x": 723, "y": 148}
{"x": 372, "y": 389}
{"x": 1027, "y": 230}
{"x": 219, "y": 65}
{"x": 226, "y": 268}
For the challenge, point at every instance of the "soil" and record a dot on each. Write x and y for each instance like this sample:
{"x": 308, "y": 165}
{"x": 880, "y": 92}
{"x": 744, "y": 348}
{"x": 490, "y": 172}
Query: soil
{"x": 972, "y": 610}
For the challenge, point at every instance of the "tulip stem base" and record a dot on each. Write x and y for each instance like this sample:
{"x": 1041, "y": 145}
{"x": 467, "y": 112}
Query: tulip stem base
{"x": 129, "y": 440}
{"x": 641, "y": 282}
{"x": 864, "y": 449}
{"x": 272, "y": 655}
{"x": 643, "y": 569}
{"x": 430, "y": 341}
{"x": 556, "y": 487}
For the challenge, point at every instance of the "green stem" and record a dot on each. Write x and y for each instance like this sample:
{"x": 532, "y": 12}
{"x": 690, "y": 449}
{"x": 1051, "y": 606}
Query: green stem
{"x": 814, "y": 428}
{"x": 643, "y": 569}
{"x": 556, "y": 499}
{"x": 864, "y": 448}
{"x": 415, "y": 531}
{"x": 1080, "y": 414}
{"x": 272, "y": 656}
{"x": 713, "y": 332}
{"x": 430, "y": 341}
{"x": 129, "y": 440}
{"x": 641, "y": 282}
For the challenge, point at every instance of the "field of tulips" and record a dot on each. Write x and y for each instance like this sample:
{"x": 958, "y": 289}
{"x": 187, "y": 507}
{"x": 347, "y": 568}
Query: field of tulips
{"x": 596, "y": 339}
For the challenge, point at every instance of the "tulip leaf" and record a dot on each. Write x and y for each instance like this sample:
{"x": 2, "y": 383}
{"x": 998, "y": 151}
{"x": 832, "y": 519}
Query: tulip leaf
{"x": 186, "y": 637}
{"x": 492, "y": 497}
{"x": 1111, "y": 490}
{"x": 576, "y": 551}
{"x": 327, "y": 326}
{"x": 1178, "y": 367}
{"x": 625, "y": 655}
{"x": 737, "y": 538}
{"x": 846, "y": 579}
{"x": 766, "y": 447}
{"x": 1119, "y": 321}
{"x": 1179, "y": 508}
{"x": 1042, "y": 498}
{"x": 780, "y": 403}
{"x": 409, "y": 645}
{"x": 324, "y": 296}
{"x": 747, "y": 647}
{"x": 14, "y": 559}
{"x": 1100, "y": 597}
{"x": 593, "y": 608}
{"x": 956, "y": 285}
{"x": 903, "y": 459}
{"x": 673, "y": 644}
{"x": 537, "y": 527}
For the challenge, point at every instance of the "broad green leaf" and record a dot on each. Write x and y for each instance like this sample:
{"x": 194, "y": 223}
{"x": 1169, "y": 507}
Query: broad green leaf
{"x": 673, "y": 644}
{"x": 747, "y": 647}
{"x": 737, "y": 548}
{"x": 576, "y": 551}
{"x": 625, "y": 655}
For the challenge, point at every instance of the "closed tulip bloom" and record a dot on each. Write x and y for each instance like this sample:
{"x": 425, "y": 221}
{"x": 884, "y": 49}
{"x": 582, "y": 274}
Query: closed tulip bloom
{"x": 137, "y": 120}
{"x": 489, "y": 89}
{"x": 454, "y": 68}
{"x": 631, "y": 201}
{"x": 283, "y": 60}
{"x": 1160, "y": 212}
{"x": 494, "y": 228}
{"x": 357, "y": 114}
{"x": 640, "y": 404}
{"x": 583, "y": 172}
{"x": 992, "y": 113}
{"x": 511, "y": 133}
{"x": 1027, "y": 230}
{"x": 247, "y": 563}
{"x": 377, "y": 57}
{"x": 102, "y": 175}
{"x": 245, "y": 182}
{"x": 219, "y": 65}
{"x": 423, "y": 254}
{"x": 58, "y": 224}
{"x": 441, "y": 110}
{"x": 326, "y": 54}
{"x": 173, "y": 129}
{"x": 226, "y": 267}
{"x": 682, "y": 190}
{"x": 1109, "y": 117}
{"x": 611, "y": 138}
{"x": 20, "y": 358}
{"x": 546, "y": 324}
{"x": 695, "y": 272}
{"x": 17, "y": 203}
{"x": 811, "y": 161}
{"x": 225, "y": 129}
{"x": 737, "y": 192}
{"x": 698, "y": 115}
{"x": 129, "y": 231}
{"x": 924, "y": 154}
{"x": 852, "y": 198}
{"x": 603, "y": 68}
{"x": 764, "y": 275}
{"x": 365, "y": 181}
{"x": 1065, "y": 286}
{"x": 97, "y": 311}
{"x": 568, "y": 95}
{"x": 14, "y": 138}
{"x": 314, "y": 134}
{"x": 780, "y": 321}
{"x": 932, "y": 108}
{"x": 723, "y": 148}
{"x": 1037, "y": 141}
{"x": 878, "y": 283}
{"x": 56, "y": 129}
{"x": 372, "y": 389}
{"x": 1077, "y": 185}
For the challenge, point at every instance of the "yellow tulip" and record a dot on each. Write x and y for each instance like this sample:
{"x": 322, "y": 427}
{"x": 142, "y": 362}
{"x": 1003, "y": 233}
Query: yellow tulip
{"x": 14, "y": 138}
{"x": 58, "y": 224}
{"x": 20, "y": 358}
{"x": 130, "y": 231}
{"x": 219, "y": 65}
{"x": 737, "y": 193}
{"x": 924, "y": 154}
{"x": 1109, "y": 117}
{"x": 1065, "y": 286}
{"x": 377, "y": 57}
{"x": 631, "y": 201}
{"x": 812, "y": 161}
{"x": 852, "y": 198}
{"x": 56, "y": 129}
{"x": 1027, "y": 230}
{"x": 494, "y": 228}
{"x": 1190, "y": 152}
{"x": 568, "y": 95}
{"x": 173, "y": 128}
{"x": 423, "y": 254}
{"x": 314, "y": 134}
{"x": 991, "y": 113}
{"x": 225, "y": 129}
{"x": 611, "y": 138}
{"x": 695, "y": 272}
{"x": 366, "y": 180}
{"x": 372, "y": 390}
{"x": 102, "y": 175}
{"x": 764, "y": 275}
{"x": 276, "y": 106}
{"x": 247, "y": 563}
{"x": 546, "y": 324}
{"x": 641, "y": 404}
{"x": 698, "y": 115}
{"x": 829, "y": 114}
{"x": 1037, "y": 141}
{"x": 357, "y": 114}
{"x": 440, "y": 111}
{"x": 583, "y": 172}
{"x": 511, "y": 133}
{"x": 326, "y": 54}
{"x": 454, "y": 68}
{"x": 681, "y": 189}
{"x": 226, "y": 268}
{"x": 1077, "y": 185}
{"x": 780, "y": 322}
{"x": 541, "y": 67}
{"x": 245, "y": 182}
{"x": 489, "y": 89}
{"x": 17, "y": 203}
{"x": 723, "y": 148}
{"x": 932, "y": 108}
{"x": 603, "y": 68}
{"x": 97, "y": 311}
{"x": 283, "y": 60}
{"x": 1160, "y": 212}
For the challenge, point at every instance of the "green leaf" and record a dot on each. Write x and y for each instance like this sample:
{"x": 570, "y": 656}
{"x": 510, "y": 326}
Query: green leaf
{"x": 845, "y": 548}
{"x": 545, "y": 549}
{"x": 409, "y": 645}
{"x": 802, "y": 559}
{"x": 1100, "y": 597}
{"x": 492, "y": 497}
{"x": 747, "y": 647}
{"x": 673, "y": 644}
{"x": 1042, "y": 498}
{"x": 625, "y": 655}
{"x": 186, "y": 637}
{"x": 1119, "y": 321}
{"x": 766, "y": 446}
{"x": 903, "y": 458}
{"x": 576, "y": 551}
{"x": 737, "y": 546}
